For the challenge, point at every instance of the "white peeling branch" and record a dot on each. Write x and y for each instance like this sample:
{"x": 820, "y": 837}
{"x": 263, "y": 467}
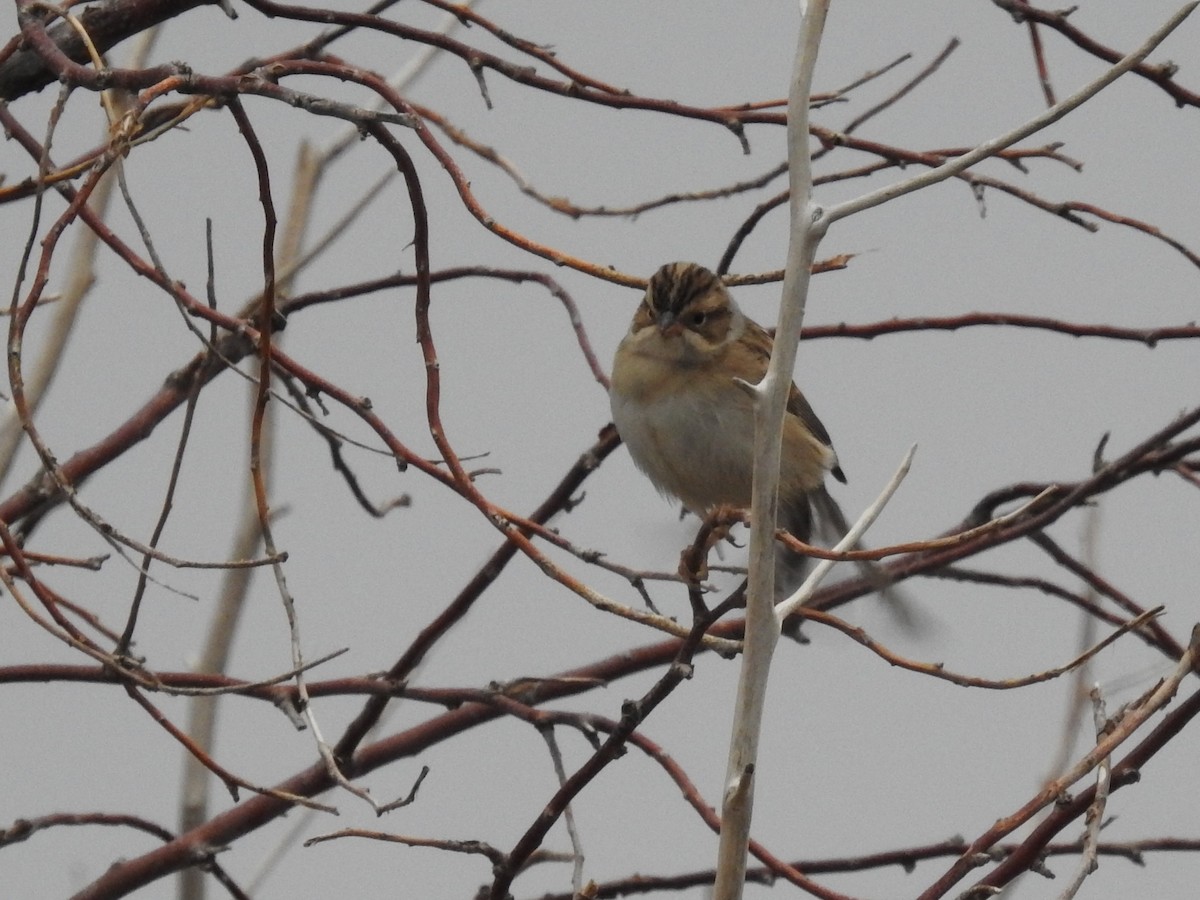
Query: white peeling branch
{"x": 762, "y": 629}
{"x": 865, "y": 521}
{"x": 809, "y": 222}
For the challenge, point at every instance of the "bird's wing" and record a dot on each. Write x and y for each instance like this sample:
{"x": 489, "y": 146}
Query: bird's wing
{"x": 757, "y": 337}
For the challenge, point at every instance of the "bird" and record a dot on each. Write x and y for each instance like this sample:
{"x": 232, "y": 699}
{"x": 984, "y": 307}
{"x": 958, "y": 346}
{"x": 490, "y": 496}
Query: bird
{"x": 689, "y": 425}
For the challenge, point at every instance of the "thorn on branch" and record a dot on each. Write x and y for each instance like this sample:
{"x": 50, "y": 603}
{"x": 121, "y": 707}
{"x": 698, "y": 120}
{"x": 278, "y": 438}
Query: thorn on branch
{"x": 313, "y": 393}
{"x": 405, "y": 801}
{"x": 1038, "y": 867}
{"x": 476, "y": 66}
{"x": 977, "y": 190}
{"x": 1098, "y": 462}
{"x": 739, "y": 132}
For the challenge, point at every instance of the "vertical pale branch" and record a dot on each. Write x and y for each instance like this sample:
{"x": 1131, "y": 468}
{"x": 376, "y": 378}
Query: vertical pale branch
{"x": 809, "y": 223}
{"x": 849, "y": 541}
{"x": 762, "y": 629}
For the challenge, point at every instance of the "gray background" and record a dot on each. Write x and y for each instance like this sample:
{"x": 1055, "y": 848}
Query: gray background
{"x": 857, "y": 757}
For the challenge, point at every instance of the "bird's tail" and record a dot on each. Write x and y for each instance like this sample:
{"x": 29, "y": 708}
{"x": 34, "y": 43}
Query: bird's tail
{"x": 832, "y": 527}
{"x": 820, "y": 512}
{"x": 792, "y": 567}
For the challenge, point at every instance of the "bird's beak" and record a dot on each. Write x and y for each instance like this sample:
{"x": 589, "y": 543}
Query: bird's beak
{"x": 668, "y": 325}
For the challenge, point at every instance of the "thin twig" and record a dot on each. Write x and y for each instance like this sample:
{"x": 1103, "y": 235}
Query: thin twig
{"x": 1037, "y": 123}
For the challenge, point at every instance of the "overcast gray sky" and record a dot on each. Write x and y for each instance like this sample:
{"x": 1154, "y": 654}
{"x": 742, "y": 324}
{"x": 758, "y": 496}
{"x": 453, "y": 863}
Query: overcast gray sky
{"x": 857, "y": 757}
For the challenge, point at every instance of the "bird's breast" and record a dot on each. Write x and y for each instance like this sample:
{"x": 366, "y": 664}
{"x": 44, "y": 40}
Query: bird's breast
{"x": 693, "y": 443}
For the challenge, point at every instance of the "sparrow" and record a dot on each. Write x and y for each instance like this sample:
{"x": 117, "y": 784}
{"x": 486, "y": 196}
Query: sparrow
{"x": 689, "y": 425}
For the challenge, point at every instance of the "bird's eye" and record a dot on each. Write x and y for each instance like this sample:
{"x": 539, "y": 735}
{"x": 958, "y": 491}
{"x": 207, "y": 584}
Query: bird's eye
{"x": 697, "y": 318}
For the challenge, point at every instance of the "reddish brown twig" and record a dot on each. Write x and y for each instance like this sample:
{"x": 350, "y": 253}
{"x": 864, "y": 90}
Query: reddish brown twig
{"x": 1161, "y": 75}
{"x": 1072, "y": 808}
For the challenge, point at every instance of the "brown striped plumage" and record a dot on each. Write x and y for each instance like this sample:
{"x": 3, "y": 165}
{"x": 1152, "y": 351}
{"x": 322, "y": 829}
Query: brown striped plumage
{"x": 689, "y": 425}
